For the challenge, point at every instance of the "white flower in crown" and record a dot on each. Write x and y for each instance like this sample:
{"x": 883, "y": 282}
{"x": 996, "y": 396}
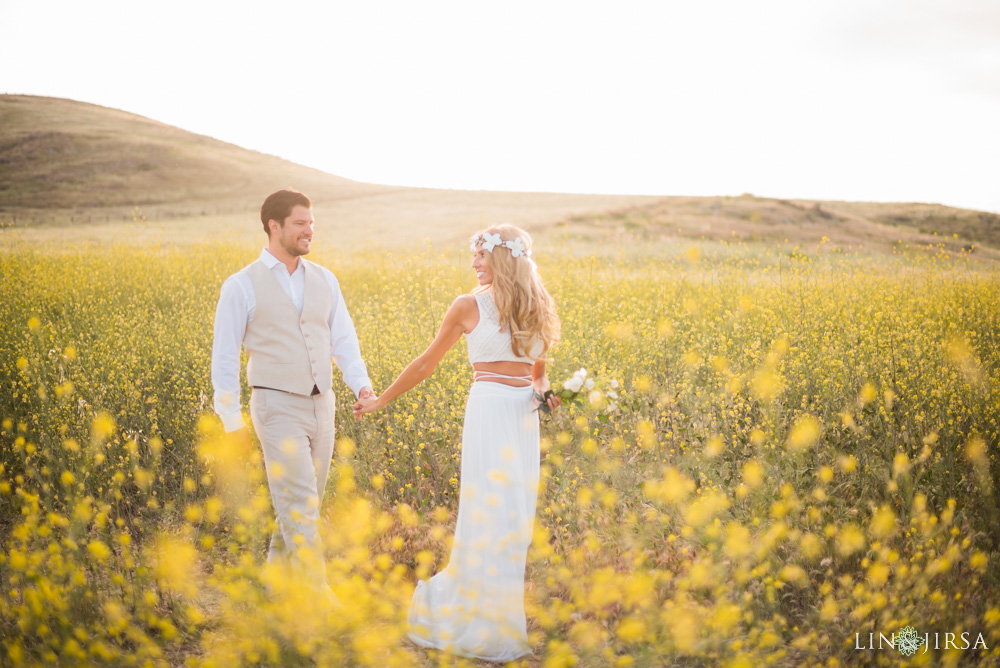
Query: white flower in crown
{"x": 516, "y": 247}
{"x": 488, "y": 241}
{"x": 491, "y": 241}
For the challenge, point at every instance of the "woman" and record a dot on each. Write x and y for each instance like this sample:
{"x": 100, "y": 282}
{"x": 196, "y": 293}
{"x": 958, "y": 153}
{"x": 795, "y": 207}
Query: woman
{"x": 475, "y": 606}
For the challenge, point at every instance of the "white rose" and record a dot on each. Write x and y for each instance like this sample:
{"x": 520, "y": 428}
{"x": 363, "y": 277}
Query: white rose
{"x": 582, "y": 372}
{"x": 613, "y": 394}
{"x": 590, "y": 383}
{"x": 595, "y": 396}
{"x": 614, "y": 384}
{"x": 573, "y": 384}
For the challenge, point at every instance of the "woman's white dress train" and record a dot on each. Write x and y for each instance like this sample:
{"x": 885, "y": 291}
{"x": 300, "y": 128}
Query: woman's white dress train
{"x": 475, "y": 606}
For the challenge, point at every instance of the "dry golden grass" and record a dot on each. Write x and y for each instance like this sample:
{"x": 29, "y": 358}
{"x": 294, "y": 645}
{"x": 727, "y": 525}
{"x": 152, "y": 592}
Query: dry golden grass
{"x": 72, "y": 172}
{"x": 388, "y": 219}
{"x": 871, "y": 226}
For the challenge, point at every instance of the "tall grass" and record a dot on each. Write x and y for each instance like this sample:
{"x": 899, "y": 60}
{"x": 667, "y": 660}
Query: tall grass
{"x": 804, "y": 448}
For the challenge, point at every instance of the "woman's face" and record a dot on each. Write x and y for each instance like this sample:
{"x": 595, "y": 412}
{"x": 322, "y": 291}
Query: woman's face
{"x": 482, "y": 267}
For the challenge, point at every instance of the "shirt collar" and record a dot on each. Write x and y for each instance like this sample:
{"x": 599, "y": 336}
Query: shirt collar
{"x": 271, "y": 262}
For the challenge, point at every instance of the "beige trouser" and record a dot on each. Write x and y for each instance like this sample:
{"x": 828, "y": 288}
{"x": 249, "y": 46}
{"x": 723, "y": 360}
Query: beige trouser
{"x": 297, "y": 437}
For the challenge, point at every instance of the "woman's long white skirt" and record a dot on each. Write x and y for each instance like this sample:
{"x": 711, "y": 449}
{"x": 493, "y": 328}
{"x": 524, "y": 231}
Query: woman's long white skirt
{"x": 475, "y": 606}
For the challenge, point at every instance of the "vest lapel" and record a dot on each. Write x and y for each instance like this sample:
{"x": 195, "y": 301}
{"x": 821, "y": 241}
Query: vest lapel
{"x": 285, "y": 295}
{"x": 306, "y": 271}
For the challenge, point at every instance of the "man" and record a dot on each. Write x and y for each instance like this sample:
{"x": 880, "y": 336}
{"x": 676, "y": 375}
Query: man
{"x": 290, "y": 316}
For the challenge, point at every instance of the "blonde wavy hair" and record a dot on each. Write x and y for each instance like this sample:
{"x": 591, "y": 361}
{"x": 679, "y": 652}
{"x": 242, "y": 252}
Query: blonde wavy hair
{"x": 525, "y": 307}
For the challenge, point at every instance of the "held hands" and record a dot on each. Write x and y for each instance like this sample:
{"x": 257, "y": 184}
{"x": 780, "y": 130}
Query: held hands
{"x": 367, "y": 402}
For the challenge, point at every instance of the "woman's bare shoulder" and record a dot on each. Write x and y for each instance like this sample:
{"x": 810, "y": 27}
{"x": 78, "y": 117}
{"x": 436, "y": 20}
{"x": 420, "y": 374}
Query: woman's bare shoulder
{"x": 464, "y": 310}
{"x": 464, "y": 305}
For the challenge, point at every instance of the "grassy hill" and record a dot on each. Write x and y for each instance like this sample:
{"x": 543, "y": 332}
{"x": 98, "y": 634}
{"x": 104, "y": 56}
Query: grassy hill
{"x": 71, "y": 170}
{"x": 62, "y": 154}
{"x": 875, "y": 225}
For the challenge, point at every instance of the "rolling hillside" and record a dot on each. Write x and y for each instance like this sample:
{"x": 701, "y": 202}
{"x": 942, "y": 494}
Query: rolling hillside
{"x": 874, "y": 225}
{"x": 61, "y": 154}
{"x": 71, "y": 169}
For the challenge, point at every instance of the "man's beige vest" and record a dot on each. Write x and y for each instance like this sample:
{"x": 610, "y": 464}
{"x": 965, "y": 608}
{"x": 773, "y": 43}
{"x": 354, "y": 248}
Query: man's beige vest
{"x": 287, "y": 350}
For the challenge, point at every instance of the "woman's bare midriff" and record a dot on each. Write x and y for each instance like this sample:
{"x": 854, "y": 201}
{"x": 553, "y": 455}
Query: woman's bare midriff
{"x": 507, "y": 369}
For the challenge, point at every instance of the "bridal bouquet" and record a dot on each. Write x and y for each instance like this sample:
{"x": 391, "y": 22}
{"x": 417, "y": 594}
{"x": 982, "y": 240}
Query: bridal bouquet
{"x": 580, "y": 387}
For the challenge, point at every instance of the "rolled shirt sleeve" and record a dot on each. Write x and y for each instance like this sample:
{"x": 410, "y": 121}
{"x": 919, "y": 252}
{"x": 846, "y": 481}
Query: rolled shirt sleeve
{"x": 231, "y": 317}
{"x": 344, "y": 347}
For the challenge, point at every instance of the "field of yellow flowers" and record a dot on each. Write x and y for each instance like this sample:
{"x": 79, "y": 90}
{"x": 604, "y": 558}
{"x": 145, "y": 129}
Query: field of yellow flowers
{"x": 799, "y": 457}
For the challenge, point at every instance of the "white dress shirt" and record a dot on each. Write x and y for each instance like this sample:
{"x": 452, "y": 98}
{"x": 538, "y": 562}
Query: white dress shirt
{"x": 236, "y": 308}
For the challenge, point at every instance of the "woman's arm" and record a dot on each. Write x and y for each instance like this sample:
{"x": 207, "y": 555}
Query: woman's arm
{"x": 540, "y": 383}
{"x": 456, "y": 320}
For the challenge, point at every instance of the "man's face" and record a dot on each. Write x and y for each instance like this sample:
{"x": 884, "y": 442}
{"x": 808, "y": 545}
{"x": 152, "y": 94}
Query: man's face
{"x": 295, "y": 236}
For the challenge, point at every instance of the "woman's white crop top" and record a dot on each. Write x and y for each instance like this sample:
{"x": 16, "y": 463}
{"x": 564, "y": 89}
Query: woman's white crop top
{"x": 487, "y": 343}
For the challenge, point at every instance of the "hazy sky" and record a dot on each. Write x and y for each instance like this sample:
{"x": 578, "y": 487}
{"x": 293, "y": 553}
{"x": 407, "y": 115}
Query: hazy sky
{"x": 889, "y": 100}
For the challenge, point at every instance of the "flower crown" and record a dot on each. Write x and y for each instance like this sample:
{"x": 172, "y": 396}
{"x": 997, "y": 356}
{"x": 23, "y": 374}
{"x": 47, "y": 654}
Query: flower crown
{"x": 489, "y": 241}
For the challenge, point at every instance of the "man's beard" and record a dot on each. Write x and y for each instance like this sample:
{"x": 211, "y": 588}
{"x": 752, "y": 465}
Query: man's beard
{"x": 294, "y": 250}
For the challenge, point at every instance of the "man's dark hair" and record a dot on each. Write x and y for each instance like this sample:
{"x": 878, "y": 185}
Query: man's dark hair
{"x": 279, "y": 205}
